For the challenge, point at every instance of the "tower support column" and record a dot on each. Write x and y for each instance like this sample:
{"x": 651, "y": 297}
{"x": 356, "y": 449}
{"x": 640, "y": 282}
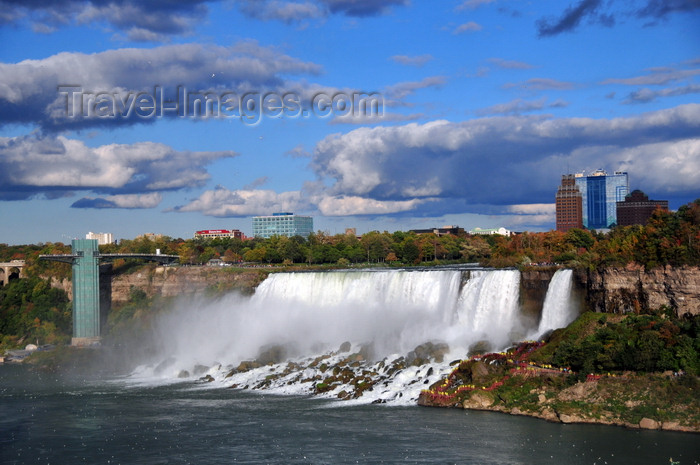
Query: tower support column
{"x": 86, "y": 292}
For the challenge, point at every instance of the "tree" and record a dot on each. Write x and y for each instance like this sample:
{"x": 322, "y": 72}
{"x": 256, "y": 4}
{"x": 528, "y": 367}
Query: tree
{"x": 255, "y": 255}
{"x": 291, "y": 248}
{"x": 231, "y": 257}
{"x": 579, "y": 238}
{"x": 450, "y": 246}
{"x": 31, "y": 308}
{"x": 376, "y": 245}
{"x": 475, "y": 248}
{"x": 187, "y": 253}
{"x": 411, "y": 253}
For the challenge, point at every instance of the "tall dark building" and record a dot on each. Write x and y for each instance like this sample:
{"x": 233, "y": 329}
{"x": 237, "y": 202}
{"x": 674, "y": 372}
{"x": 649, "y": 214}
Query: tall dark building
{"x": 637, "y": 208}
{"x": 569, "y": 203}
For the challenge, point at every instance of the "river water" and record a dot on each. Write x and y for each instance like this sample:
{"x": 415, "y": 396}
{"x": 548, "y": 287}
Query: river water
{"x": 46, "y": 419}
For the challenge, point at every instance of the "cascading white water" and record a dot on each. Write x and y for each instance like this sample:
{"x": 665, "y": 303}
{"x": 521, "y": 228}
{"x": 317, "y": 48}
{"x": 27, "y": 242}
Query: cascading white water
{"x": 313, "y": 313}
{"x": 558, "y": 309}
{"x": 488, "y": 306}
{"x": 396, "y": 310}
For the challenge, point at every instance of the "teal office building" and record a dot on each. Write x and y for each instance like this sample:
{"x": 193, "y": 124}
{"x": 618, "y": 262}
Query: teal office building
{"x": 282, "y": 224}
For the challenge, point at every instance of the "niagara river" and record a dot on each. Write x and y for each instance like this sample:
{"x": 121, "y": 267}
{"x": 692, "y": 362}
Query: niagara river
{"x": 313, "y": 368}
{"x": 50, "y": 420}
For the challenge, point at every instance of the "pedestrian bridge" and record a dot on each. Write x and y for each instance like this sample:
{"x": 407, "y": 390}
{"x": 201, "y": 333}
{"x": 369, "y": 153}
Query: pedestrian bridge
{"x": 7, "y": 269}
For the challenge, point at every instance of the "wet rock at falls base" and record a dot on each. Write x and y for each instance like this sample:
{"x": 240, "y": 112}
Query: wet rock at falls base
{"x": 547, "y": 335}
{"x": 480, "y": 347}
{"x": 648, "y": 423}
{"x": 272, "y": 354}
{"x": 248, "y": 365}
{"x": 424, "y": 353}
{"x": 366, "y": 352}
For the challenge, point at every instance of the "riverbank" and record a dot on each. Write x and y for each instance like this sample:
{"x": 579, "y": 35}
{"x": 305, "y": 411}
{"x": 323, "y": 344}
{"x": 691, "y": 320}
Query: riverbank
{"x": 659, "y": 401}
{"x": 527, "y": 380}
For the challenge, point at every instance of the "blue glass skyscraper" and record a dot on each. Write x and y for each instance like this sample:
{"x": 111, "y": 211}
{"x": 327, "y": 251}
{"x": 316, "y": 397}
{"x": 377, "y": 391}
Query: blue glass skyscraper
{"x": 600, "y": 193}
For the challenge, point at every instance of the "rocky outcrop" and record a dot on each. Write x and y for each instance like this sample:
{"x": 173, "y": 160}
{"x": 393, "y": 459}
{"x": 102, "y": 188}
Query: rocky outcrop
{"x": 478, "y": 401}
{"x": 173, "y": 281}
{"x": 66, "y": 285}
{"x": 516, "y": 383}
{"x": 424, "y": 353}
{"x": 634, "y": 289}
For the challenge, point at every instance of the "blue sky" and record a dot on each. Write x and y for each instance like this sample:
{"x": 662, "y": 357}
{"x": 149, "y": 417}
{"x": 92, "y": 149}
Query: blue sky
{"x": 483, "y": 105}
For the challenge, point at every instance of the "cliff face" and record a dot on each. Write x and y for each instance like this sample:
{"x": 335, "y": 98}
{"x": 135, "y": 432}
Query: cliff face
{"x": 612, "y": 290}
{"x": 630, "y": 289}
{"x": 533, "y": 289}
{"x": 66, "y": 285}
{"x": 173, "y": 281}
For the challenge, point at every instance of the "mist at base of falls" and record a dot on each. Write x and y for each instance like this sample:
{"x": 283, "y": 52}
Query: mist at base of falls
{"x": 385, "y": 314}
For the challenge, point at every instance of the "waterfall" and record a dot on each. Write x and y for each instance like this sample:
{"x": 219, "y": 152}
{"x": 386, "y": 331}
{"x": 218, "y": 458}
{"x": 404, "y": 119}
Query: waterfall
{"x": 396, "y": 310}
{"x": 312, "y": 314}
{"x": 488, "y": 306}
{"x": 558, "y": 310}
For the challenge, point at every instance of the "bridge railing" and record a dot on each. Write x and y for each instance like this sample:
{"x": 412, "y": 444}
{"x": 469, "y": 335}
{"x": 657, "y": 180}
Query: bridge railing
{"x": 69, "y": 258}
{"x": 65, "y": 258}
{"x": 153, "y": 257}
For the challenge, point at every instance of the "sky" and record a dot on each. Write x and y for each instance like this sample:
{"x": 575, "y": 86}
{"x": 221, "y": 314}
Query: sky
{"x": 135, "y": 117}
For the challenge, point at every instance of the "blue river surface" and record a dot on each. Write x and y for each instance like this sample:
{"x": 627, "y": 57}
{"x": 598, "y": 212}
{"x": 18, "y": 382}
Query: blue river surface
{"x": 45, "y": 419}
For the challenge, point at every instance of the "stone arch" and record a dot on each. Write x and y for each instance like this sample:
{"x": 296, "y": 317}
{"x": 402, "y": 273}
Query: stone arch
{"x": 12, "y": 273}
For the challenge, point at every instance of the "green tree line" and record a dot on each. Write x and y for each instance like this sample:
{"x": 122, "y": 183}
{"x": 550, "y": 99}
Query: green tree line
{"x": 668, "y": 238}
{"x": 654, "y": 342}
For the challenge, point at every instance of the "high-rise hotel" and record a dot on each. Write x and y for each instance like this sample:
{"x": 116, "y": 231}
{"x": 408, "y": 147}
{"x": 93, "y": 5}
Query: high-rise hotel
{"x": 282, "y": 224}
{"x": 569, "y": 204}
{"x": 599, "y": 194}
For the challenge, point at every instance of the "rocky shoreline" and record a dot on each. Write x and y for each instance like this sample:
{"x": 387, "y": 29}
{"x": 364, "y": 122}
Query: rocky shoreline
{"x": 510, "y": 383}
{"x": 480, "y": 402}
